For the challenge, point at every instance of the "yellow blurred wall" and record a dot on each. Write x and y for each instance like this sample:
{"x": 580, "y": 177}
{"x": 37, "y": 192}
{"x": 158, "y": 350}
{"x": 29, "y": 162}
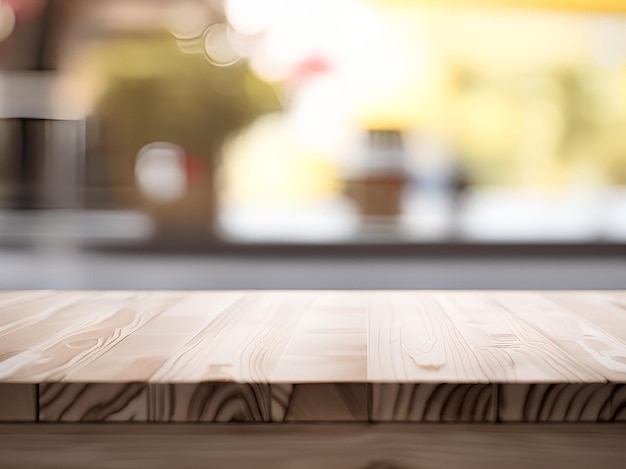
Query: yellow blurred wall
{"x": 585, "y": 5}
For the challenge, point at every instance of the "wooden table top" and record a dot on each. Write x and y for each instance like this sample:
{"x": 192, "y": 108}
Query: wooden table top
{"x": 313, "y": 336}
{"x": 261, "y": 356}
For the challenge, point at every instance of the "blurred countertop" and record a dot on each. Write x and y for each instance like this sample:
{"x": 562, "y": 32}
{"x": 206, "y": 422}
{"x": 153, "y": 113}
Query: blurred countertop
{"x": 59, "y": 266}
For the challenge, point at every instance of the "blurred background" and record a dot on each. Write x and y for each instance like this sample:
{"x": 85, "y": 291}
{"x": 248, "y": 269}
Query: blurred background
{"x": 312, "y": 144}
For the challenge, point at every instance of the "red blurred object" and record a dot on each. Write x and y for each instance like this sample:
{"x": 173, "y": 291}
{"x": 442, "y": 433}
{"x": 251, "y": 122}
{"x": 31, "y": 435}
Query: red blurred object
{"x": 26, "y": 9}
{"x": 195, "y": 168}
{"x": 310, "y": 67}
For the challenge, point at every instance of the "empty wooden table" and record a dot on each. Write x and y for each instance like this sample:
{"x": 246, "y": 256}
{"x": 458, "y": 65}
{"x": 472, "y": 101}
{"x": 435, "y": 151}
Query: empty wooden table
{"x": 492, "y": 359}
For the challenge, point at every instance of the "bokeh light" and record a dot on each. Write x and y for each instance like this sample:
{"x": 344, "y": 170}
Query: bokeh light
{"x": 160, "y": 172}
{"x": 218, "y": 47}
{"x": 393, "y": 120}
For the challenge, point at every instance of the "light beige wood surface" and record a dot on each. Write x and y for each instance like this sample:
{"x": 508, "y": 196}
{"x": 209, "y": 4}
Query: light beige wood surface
{"x": 287, "y": 336}
{"x": 311, "y": 355}
{"x": 305, "y": 446}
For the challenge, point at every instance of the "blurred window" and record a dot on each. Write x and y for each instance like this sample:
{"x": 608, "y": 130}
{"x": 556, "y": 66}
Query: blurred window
{"x": 325, "y": 121}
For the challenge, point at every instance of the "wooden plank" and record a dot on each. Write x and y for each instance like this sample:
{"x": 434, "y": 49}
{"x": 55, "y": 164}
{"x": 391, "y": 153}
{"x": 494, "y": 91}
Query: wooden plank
{"x": 209, "y": 402}
{"x": 429, "y": 402}
{"x": 18, "y": 402}
{"x": 509, "y": 347}
{"x": 19, "y": 310}
{"x": 329, "y": 344}
{"x": 141, "y": 402}
{"x": 242, "y": 344}
{"x": 411, "y": 339}
{"x": 93, "y": 402}
{"x": 560, "y": 402}
{"x": 602, "y": 310}
{"x": 346, "y": 446}
{"x": 313, "y": 337}
{"x": 77, "y": 335}
{"x": 30, "y": 324}
{"x": 589, "y": 344}
{"x": 618, "y": 404}
{"x": 321, "y": 402}
{"x": 458, "y": 337}
{"x": 140, "y": 355}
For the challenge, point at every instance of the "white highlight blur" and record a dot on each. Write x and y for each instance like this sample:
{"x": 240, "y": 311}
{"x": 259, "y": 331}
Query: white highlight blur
{"x": 218, "y": 47}
{"x": 160, "y": 172}
{"x": 314, "y": 125}
{"x": 609, "y": 46}
{"x": 368, "y": 59}
{"x": 187, "y": 18}
{"x": 251, "y": 17}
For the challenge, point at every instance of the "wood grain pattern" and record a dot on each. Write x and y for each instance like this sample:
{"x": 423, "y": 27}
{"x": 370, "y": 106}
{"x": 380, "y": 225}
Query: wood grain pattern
{"x": 30, "y": 305}
{"x": 509, "y": 348}
{"x": 324, "y": 402}
{"x": 564, "y": 402}
{"x": 589, "y": 344}
{"x": 209, "y": 402}
{"x": 329, "y": 343}
{"x": 243, "y": 343}
{"x": 312, "y": 446}
{"x": 428, "y": 402}
{"x": 18, "y": 402}
{"x": 19, "y": 318}
{"x": 290, "y": 337}
{"x": 618, "y": 404}
{"x": 93, "y": 402}
{"x": 601, "y": 310}
{"x": 76, "y": 334}
{"x": 142, "y": 353}
{"x": 411, "y": 339}
{"x": 317, "y": 355}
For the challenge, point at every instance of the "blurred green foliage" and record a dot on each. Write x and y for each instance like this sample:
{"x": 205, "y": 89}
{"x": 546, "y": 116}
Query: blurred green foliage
{"x": 156, "y": 92}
